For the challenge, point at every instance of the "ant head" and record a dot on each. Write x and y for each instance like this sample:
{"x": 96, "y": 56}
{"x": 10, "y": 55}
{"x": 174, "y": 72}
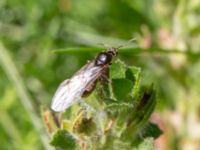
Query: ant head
{"x": 112, "y": 51}
{"x": 106, "y": 57}
{"x": 103, "y": 58}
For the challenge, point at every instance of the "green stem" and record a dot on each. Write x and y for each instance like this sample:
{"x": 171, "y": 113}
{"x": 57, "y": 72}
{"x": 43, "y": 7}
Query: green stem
{"x": 133, "y": 51}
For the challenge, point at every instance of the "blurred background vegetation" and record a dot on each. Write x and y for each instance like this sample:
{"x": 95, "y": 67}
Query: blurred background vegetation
{"x": 167, "y": 36}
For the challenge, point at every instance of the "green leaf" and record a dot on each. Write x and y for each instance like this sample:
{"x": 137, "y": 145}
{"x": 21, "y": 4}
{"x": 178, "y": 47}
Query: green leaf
{"x": 118, "y": 107}
{"x": 134, "y": 74}
{"x": 122, "y": 89}
{"x": 125, "y": 81}
{"x": 151, "y": 130}
{"x": 63, "y": 140}
{"x": 140, "y": 116}
{"x": 117, "y": 70}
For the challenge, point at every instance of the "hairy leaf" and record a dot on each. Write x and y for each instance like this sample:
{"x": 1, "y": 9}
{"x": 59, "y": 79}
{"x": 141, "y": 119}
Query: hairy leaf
{"x": 63, "y": 140}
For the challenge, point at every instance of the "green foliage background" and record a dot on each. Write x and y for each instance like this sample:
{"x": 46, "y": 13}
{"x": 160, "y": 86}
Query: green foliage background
{"x": 167, "y": 47}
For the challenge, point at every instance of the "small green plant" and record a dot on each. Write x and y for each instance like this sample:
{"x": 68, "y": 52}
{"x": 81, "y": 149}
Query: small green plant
{"x": 116, "y": 119}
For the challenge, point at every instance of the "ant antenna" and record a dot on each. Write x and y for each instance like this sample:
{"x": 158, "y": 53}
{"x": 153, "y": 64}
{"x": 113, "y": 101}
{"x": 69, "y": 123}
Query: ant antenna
{"x": 104, "y": 45}
{"x": 127, "y": 43}
{"x": 120, "y": 46}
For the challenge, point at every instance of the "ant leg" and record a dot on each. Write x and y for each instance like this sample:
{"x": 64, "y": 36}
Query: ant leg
{"x": 57, "y": 118}
{"x": 104, "y": 83}
{"x": 105, "y": 78}
{"x": 101, "y": 90}
{"x": 105, "y": 75}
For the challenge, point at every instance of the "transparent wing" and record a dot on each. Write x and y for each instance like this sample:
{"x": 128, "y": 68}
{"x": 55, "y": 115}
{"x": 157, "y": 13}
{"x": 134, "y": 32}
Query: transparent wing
{"x": 70, "y": 91}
